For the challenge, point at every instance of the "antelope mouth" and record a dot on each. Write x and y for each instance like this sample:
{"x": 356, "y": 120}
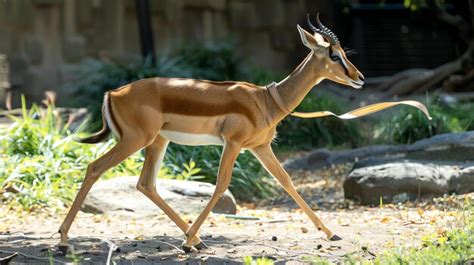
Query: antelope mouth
{"x": 356, "y": 84}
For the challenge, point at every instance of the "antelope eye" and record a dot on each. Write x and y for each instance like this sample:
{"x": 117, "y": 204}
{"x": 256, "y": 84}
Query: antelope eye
{"x": 335, "y": 58}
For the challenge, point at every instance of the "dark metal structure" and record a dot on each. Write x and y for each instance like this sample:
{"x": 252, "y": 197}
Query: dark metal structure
{"x": 146, "y": 32}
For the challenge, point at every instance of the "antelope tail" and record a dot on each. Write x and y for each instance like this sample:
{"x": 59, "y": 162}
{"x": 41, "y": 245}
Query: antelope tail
{"x": 101, "y": 135}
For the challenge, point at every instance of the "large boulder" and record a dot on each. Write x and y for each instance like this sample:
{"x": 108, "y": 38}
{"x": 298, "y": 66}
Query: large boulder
{"x": 188, "y": 197}
{"x": 458, "y": 147}
{"x": 396, "y": 181}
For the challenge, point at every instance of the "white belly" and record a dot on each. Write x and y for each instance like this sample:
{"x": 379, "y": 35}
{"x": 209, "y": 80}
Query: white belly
{"x": 191, "y": 138}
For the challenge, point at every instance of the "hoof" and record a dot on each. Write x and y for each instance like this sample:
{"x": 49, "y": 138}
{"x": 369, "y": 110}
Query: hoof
{"x": 335, "y": 238}
{"x": 187, "y": 249}
{"x": 63, "y": 249}
{"x": 201, "y": 245}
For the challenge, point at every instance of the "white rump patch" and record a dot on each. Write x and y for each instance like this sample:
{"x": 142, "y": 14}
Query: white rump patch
{"x": 191, "y": 138}
{"x": 108, "y": 118}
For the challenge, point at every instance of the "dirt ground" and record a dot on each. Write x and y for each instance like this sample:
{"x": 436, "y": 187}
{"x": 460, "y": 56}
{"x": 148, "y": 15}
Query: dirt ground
{"x": 279, "y": 231}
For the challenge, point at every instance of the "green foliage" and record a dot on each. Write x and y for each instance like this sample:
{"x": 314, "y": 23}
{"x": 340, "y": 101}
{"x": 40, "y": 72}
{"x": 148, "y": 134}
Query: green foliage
{"x": 248, "y": 260}
{"x": 249, "y": 179}
{"x": 410, "y": 125}
{"x": 40, "y": 164}
{"x": 451, "y": 247}
{"x": 296, "y": 133}
{"x": 415, "y": 5}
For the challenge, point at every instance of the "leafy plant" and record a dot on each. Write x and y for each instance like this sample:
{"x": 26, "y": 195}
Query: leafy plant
{"x": 249, "y": 182}
{"x": 442, "y": 247}
{"x": 410, "y": 125}
{"x": 248, "y": 260}
{"x": 296, "y": 133}
{"x": 40, "y": 164}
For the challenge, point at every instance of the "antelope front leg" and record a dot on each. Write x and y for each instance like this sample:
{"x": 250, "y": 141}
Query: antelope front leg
{"x": 272, "y": 165}
{"x": 229, "y": 155}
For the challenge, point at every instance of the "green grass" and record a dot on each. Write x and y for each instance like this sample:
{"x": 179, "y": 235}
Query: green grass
{"x": 410, "y": 125}
{"x": 248, "y": 260}
{"x": 455, "y": 246}
{"x": 40, "y": 164}
{"x": 297, "y": 133}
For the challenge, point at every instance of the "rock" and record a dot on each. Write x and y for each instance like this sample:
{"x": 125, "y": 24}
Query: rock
{"x": 74, "y": 48}
{"x": 399, "y": 181}
{"x": 34, "y": 49}
{"x": 120, "y": 194}
{"x": 445, "y": 147}
{"x": 243, "y": 15}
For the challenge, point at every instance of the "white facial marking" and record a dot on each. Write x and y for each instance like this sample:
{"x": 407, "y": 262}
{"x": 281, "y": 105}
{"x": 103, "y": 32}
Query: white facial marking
{"x": 191, "y": 138}
{"x": 338, "y": 53}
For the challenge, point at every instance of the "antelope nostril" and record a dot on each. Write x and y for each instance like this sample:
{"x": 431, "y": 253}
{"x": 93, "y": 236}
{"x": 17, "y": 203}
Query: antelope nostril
{"x": 361, "y": 77}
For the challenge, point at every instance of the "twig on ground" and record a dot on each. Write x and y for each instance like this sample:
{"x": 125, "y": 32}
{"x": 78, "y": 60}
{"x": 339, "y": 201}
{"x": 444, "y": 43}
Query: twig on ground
{"x": 112, "y": 248}
{"x": 33, "y": 257}
{"x": 7, "y": 259}
{"x": 171, "y": 245}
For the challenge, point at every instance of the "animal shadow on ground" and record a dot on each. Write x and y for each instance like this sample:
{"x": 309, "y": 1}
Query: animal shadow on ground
{"x": 93, "y": 250}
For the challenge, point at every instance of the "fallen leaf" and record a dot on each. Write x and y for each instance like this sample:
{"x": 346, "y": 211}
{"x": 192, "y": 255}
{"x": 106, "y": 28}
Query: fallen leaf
{"x": 420, "y": 212}
{"x": 385, "y": 220}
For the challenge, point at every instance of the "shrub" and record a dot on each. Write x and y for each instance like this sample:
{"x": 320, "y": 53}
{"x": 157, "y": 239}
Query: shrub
{"x": 296, "y": 133}
{"x": 410, "y": 125}
{"x": 41, "y": 165}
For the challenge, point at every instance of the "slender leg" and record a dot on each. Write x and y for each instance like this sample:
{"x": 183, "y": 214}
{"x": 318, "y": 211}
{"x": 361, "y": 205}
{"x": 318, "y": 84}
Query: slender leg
{"x": 229, "y": 155}
{"x": 270, "y": 162}
{"x": 154, "y": 155}
{"x": 124, "y": 148}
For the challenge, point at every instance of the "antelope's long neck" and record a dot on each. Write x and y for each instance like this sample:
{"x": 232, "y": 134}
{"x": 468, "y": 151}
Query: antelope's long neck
{"x": 297, "y": 85}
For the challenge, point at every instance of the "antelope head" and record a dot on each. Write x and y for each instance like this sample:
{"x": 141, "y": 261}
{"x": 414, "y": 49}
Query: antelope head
{"x": 326, "y": 48}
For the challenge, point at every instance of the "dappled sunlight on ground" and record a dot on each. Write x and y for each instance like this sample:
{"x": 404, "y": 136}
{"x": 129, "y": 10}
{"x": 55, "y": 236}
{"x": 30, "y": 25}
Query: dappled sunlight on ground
{"x": 275, "y": 229}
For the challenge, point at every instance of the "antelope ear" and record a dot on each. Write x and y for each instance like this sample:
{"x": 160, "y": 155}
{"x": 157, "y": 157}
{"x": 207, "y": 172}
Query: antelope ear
{"x": 321, "y": 40}
{"x": 307, "y": 39}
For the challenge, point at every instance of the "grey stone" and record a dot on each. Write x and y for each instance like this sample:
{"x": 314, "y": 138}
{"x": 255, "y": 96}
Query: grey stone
{"x": 120, "y": 194}
{"x": 284, "y": 39}
{"x": 398, "y": 180}
{"x": 19, "y": 64}
{"x": 211, "y": 4}
{"x": 243, "y": 15}
{"x": 445, "y": 147}
{"x": 74, "y": 48}
{"x": 33, "y": 49}
{"x": 270, "y": 13}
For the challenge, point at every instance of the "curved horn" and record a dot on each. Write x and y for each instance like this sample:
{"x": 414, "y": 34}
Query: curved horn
{"x": 326, "y": 34}
{"x": 333, "y": 38}
{"x": 313, "y": 28}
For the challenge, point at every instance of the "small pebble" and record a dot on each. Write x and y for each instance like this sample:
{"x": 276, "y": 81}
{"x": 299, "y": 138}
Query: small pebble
{"x": 304, "y": 229}
{"x": 274, "y": 238}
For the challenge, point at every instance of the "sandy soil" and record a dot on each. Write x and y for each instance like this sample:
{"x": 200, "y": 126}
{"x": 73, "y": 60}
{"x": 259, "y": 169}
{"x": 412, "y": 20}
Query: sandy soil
{"x": 281, "y": 233}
